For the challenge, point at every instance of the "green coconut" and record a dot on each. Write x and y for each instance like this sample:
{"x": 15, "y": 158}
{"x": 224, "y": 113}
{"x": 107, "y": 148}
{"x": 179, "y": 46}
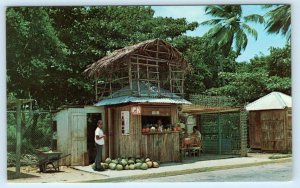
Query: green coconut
{"x": 123, "y": 162}
{"x": 114, "y": 161}
{"x": 119, "y": 167}
{"x": 112, "y": 166}
{"x": 126, "y": 167}
{"x": 137, "y": 165}
{"x": 130, "y": 161}
{"x": 108, "y": 160}
{"x": 144, "y": 166}
{"x": 131, "y": 167}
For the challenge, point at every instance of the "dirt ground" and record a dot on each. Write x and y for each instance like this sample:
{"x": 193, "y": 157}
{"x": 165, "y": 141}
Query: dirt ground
{"x": 31, "y": 174}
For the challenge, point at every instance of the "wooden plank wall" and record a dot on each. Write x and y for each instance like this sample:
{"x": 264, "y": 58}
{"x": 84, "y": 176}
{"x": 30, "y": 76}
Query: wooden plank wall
{"x": 289, "y": 129}
{"x": 162, "y": 147}
{"x": 254, "y": 130}
{"x": 63, "y": 136}
{"x": 127, "y": 145}
{"x": 273, "y": 130}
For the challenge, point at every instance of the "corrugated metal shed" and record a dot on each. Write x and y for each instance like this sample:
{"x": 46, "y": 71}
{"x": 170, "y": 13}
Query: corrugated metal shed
{"x": 274, "y": 100}
{"x": 126, "y": 99}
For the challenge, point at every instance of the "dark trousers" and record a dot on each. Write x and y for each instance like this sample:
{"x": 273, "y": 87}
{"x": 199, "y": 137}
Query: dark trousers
{"x": 98, "y": 156}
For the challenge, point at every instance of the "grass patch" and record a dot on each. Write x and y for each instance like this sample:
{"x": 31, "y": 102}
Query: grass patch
{"x": 280, "y": 156}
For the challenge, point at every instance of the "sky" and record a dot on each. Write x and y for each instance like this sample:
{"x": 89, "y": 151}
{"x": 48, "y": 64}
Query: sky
{"x": 197, "y": 13}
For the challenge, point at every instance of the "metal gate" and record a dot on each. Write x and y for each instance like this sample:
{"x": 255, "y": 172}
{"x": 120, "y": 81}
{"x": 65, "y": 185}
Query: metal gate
{"x": 220, "y": 132}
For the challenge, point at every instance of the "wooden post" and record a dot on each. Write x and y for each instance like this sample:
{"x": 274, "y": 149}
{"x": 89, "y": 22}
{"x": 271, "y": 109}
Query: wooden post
{"x": 219, "y": 134}
{"x": 170, "y": 77}
{"x": 110, "y": 80}
{"x": 157, "y": 69}
{"x": 243, "y": 132}
{"x": 182, "y": 85}
{"x": 96, "y": 85}
{"x": 148, "y": 78}
{"x": 138, "y": 76}
{"x": 130, "y": 76}
{"x": 19, "y": 139}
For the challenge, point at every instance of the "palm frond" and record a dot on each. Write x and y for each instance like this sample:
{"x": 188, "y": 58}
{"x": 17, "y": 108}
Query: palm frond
{"x": 214, "y": 30}
{"x": 268, "y": 6}
{"x": 215, "y": 10}
{"x": 254, "y": 18}
{"x": 211, "y": 22}
{"x": 279, "y": 20}
{"x": 249, "y": 30}
{"x": 241, "y": 41}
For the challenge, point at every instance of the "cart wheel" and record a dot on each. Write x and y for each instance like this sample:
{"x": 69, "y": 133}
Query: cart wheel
{"x": 42, "y": 168}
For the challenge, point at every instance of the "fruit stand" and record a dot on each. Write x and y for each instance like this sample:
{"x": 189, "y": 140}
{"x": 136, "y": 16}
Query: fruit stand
{"x": 138, "y": 85}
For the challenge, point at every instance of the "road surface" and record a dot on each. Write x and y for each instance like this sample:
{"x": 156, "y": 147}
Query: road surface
{"x": 269, "y": 172}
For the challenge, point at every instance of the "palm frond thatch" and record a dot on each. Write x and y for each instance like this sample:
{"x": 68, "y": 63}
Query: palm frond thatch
{"x": 120, "y": 55}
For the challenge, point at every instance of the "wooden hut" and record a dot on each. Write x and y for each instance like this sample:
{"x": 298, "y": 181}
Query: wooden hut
{"x": 75, "y": 127}
{"x": 139, "y": 85}
{"x": 270, "y": 123}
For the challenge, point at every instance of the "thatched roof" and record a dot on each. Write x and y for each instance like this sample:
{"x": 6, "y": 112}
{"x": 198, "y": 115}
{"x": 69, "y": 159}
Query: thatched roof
{"x": 120, "y": 55}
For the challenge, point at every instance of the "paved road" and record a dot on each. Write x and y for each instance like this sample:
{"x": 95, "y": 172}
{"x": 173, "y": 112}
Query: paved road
{"x": 269, "y": 172}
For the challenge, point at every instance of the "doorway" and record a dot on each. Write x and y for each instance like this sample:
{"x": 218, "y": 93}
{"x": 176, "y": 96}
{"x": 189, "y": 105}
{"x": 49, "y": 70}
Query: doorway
{"x": 92, "y": 119}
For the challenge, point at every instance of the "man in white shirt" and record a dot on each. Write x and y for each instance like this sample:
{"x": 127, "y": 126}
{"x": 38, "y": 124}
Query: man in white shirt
{"x": 99, "y": 142}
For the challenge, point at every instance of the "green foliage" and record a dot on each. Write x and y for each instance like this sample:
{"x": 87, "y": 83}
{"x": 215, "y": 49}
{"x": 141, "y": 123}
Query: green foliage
{"x": 48, "y": 48}
{"x": 263, "y": 75}
{"x": 206, "y": 63}
{"x": 36, "y": 131}
{"x": 279, "y": 20}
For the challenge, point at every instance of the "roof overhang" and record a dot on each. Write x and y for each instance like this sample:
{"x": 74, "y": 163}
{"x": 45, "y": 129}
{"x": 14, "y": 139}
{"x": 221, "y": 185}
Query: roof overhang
{"x": 198, "y": 109}
{"x": 131, "y": 99}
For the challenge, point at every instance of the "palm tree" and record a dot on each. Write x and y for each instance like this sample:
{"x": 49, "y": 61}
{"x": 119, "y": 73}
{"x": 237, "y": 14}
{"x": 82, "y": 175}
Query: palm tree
{"x": 279, "y": 20}
{"x": 229, "y": 27}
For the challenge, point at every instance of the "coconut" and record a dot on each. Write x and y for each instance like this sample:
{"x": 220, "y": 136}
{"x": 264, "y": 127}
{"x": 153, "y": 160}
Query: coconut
{"x": 119, "y": 167}
{"x": 108, "y": 160}
{"x": 137, "y": 165}
{"x": 155, "y": 164}
{"x": 112, "y": 166}
{"x": 149, "y": 164}
{"x": 131, "y": 167}
{"x": 144, "y": 166}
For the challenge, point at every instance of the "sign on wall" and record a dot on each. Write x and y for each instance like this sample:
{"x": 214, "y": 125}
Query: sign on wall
{"x": 136, "y": 110}
{"x": 125, "y": 122}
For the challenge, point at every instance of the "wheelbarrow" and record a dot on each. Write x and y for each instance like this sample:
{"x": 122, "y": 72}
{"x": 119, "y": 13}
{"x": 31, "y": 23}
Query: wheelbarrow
{"x": 48, "y": 159}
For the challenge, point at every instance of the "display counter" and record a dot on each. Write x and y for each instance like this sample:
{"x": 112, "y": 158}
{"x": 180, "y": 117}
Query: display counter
{"x": 162, "y": 146}
{"x": 164, "y": 132}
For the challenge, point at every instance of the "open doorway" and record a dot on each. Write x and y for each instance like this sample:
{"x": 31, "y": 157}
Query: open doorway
{"x": 92, "y": 119}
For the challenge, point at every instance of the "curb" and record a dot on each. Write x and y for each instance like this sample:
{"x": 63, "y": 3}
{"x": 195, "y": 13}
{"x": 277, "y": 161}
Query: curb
{"x": 182, "y": 172}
